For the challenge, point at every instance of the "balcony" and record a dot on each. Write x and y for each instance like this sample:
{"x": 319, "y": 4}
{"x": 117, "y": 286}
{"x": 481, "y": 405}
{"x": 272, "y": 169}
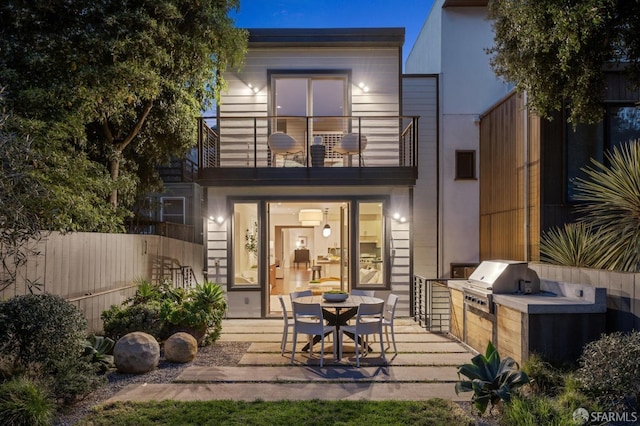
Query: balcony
{"x": 235, "y": 151}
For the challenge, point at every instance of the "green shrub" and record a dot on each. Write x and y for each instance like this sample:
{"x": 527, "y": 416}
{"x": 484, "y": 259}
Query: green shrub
{"x": 25, "y": 402}
{"x": 544, "y": 378}
{"x": 72, "y": 378}
{"x": 490, "y": 379}
{"x": 535, "y": 411}
{"x": 39, "y": 328}
{"x": 200, "y": 312}
{"x": 121, "y": 320}
{"x": 46, "y": 334}
{"x": 610, "y": 371}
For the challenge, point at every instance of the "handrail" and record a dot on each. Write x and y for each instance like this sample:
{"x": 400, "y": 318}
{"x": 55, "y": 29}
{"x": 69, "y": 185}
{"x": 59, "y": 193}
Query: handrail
{"x": 226, "y": 141}
{"x": 431, "y": 304}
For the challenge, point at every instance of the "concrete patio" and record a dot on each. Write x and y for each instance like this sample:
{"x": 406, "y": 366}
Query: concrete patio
{"x": 425, "y": 367}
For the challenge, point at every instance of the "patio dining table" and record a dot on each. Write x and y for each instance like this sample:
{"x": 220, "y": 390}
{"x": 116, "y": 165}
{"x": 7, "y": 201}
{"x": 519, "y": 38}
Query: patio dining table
{"x": 338, "y": 313}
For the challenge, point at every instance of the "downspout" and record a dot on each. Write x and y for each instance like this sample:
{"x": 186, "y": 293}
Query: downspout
{"x": 525, "y": 177}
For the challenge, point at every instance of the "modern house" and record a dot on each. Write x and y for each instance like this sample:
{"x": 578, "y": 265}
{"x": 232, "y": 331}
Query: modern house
{"x": 319, "y": 170}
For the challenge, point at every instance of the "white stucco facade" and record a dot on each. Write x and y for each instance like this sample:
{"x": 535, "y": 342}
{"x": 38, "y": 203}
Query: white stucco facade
{"x": 452, "y": 44}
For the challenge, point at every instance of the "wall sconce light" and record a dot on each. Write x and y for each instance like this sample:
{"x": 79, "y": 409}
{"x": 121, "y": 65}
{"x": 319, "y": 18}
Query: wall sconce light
{"x": 219, "y": 219}
{"x": 363, "y": 86}
{"x": 326, "y": 230}
{"x": 253, "y": 88}
{"x": 397, "y": 216}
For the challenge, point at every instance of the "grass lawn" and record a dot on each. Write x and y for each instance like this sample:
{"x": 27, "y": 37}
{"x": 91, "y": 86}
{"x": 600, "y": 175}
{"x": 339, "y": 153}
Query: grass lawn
{"x": 290, "y": 413}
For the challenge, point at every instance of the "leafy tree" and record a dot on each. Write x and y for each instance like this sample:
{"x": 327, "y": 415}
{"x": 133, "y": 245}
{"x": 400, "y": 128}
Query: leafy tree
{"x": 117, "y": 84}
{"x": 20, "y": 196}
{"x": 558, "y": 51}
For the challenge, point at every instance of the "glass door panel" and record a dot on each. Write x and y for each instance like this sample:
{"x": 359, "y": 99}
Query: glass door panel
{"x": 344, "y": 248}
{"x": 371, "y": 247}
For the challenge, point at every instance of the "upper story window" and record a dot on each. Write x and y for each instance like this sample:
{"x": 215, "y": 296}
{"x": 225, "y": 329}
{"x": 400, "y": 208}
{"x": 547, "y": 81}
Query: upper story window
{"x": 620, "y": 125}
{"x": 309, "y": 95}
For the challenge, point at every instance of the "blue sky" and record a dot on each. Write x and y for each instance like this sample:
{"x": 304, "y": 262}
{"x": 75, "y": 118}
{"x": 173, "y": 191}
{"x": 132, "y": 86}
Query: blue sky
{"x": 409, "y": 14}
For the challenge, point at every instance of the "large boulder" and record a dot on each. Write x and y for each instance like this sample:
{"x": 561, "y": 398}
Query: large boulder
{"x": 180, "y": 347}
{"x": 136, "y": 353}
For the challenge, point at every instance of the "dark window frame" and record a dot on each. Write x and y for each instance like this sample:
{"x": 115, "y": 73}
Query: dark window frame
{"x": 465, "y": 166}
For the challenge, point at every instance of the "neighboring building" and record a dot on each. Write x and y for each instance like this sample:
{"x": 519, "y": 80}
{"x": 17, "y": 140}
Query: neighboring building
{"x": 267, "y": 205}
{"x": 505, "y": 174}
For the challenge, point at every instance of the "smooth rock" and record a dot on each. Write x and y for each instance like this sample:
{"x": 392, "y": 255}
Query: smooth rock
{"x": 180, "y": 347}
{"x": 136, "y": 353}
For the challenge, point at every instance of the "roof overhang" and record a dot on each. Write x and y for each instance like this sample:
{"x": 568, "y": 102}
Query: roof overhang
{"x": 465, "y": 3}
{"x": 326, "y": 37}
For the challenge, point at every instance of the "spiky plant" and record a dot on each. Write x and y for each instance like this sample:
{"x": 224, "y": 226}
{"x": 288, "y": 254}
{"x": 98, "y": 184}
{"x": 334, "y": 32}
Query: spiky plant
{"x": 611, "y": 196}
{"x": 574, "y": 244}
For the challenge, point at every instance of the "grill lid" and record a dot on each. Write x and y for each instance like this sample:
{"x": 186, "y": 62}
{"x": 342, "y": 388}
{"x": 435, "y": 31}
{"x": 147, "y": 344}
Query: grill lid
{"x": 499, "y": 276}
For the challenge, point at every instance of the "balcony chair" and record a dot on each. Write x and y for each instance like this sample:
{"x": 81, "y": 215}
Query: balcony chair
{"x": 368, "y": 321}
{"x": 283, "y": 144}
{"x": 348, "y": 145}
{"x": 287, "y": 325}
{"x": 307, "y": 319}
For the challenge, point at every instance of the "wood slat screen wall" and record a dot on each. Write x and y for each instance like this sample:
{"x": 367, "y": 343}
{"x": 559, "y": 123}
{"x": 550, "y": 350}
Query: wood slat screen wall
{"x": 502, "y": 182}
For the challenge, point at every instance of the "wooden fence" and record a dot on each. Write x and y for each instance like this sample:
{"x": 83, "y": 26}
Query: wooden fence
{"x": 94, "y": 270}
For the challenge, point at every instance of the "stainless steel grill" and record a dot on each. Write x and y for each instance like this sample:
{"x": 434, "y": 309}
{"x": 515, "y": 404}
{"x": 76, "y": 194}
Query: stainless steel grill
{"x": 496, "y": 277}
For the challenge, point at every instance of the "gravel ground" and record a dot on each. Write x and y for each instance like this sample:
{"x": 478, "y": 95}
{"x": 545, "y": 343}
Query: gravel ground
{"x": 219, "y": 354}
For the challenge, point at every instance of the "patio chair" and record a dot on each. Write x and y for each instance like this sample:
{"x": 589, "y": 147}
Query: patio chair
{"x": 352, "y": 144}
{"x": 295, "y": 294}
{"x": 307, "y": 319}
{"x": 287, "y": 324}
{"x": 368, "y": 321}
{"x": 387, "y": 320}
{"x": 283, "y": 144}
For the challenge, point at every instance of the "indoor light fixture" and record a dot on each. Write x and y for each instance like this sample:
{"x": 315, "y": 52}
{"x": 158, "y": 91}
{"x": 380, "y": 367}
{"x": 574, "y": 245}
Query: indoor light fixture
{"x": 326, "y": 231}
{"x": 310, "y": 217}
{"x": 363, "y": 86}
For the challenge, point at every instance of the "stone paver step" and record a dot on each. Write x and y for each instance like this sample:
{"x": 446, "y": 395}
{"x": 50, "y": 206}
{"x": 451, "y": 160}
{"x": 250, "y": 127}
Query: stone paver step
{"x": 372, "y": 391}
{"x": 392, "y": 374}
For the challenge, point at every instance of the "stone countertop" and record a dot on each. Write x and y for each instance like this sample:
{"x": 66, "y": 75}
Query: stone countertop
{"x": 548, "y": 303}
{"x": 556, "y": 298}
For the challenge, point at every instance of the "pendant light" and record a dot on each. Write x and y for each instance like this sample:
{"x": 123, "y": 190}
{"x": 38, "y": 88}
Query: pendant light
{"x": 326, "y": 231}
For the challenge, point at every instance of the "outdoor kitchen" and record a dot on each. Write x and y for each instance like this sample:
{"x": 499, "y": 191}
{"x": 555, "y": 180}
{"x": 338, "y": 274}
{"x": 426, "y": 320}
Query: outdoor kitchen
{"x": 507, "y": 303}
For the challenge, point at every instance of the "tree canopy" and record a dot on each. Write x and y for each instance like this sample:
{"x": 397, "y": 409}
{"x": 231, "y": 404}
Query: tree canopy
{"x": 109, "y": 89}
{"x": 558, "y": 50}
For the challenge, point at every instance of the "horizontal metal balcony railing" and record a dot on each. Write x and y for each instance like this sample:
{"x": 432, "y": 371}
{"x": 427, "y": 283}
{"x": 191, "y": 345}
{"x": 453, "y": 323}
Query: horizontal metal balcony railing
{"x": 383, "y": 141}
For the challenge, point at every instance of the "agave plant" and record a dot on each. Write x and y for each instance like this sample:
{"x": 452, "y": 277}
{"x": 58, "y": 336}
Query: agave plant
{"x": 490, "y": 379}
{"x": 99, "y": 350}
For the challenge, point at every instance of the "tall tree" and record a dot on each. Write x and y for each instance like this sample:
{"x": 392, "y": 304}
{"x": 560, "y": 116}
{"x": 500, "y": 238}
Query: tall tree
{"x": 119, "y": 82}
{"x": 558, "y": 50}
